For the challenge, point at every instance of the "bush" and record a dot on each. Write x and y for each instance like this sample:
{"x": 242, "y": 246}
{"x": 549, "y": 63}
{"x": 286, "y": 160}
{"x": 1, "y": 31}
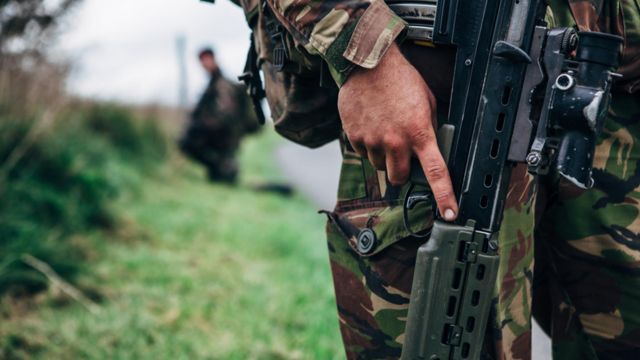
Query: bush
{"x": 140, "y": 141}
{"x": 63, "y": 183}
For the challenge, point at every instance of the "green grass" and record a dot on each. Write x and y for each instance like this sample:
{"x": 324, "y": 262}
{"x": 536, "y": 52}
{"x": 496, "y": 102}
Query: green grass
{"x": 193, "y": 271}
{"x": 63, "y": 182}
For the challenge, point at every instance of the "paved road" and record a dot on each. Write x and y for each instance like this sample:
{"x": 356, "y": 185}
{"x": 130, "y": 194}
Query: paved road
{"x": 315, "y": 174}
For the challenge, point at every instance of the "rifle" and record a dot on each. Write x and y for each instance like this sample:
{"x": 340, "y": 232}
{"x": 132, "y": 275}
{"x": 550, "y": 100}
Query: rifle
{"x": 542, "y": 101}
{"x": 252, "y": 81}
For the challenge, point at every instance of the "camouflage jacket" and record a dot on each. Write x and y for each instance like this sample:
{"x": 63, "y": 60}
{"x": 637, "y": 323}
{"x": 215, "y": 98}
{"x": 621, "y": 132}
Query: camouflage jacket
{"x": 223, "y": 110}
{"x": 348, "y": 33}
{"x": 217, "y": 102}
{"x": 344, "y": 33}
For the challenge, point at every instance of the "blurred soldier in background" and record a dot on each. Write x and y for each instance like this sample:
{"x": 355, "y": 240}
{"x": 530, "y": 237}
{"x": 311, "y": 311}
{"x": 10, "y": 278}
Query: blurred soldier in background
{"x": 219, "y": 121}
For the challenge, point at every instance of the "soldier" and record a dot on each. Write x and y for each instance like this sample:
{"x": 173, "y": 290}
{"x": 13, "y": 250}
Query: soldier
{"x": 391, "y": 93}
{"x": 218, "y": 122}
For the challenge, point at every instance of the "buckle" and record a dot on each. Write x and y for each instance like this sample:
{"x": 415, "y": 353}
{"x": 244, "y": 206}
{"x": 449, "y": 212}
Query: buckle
{"x": 280, "y": 56}
{"x": 276, "y": 32}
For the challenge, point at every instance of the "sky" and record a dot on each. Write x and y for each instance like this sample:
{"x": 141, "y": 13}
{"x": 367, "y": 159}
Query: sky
{"x": 125, "y": 50}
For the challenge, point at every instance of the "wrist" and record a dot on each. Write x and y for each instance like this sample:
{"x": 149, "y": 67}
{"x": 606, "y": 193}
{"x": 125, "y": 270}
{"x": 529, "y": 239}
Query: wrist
{"x": 391, "y": 60}
{"x": 364, "y": 42}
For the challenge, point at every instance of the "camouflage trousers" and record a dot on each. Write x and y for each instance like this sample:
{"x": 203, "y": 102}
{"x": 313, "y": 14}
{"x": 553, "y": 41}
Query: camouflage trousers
{"x": 584, "y": 289}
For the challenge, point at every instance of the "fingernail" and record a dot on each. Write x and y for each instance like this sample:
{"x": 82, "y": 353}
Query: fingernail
{"x": 449, "y": 215}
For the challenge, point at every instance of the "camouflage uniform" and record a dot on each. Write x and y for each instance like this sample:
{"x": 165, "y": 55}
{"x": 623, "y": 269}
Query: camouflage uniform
{"x": 218, "y": 122}
{"x": 586, "y": 286}
{"x": 587, "y": 251}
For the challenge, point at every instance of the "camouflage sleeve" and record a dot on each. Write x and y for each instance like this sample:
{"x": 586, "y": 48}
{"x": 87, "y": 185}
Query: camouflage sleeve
{"x": 345, "y": 33}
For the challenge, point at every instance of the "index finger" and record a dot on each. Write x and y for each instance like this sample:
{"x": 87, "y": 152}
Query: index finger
{"x": 437, "y": 174}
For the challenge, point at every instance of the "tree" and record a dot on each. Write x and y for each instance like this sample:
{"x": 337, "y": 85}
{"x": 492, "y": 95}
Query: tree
{"x": 25, "y": 24}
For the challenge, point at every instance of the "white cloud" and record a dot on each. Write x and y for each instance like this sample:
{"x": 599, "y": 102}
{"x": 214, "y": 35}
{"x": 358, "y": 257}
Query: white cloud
{"x": 125, "y": 49}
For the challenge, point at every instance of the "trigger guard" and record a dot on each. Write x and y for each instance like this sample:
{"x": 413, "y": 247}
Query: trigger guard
{"x": 417, "y": 198}
{"x": 410, "y": 202}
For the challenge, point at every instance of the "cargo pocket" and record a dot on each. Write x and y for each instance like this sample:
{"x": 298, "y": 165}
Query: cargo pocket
{"x": 372, "y": 261}
{"x": 352, "y": 184}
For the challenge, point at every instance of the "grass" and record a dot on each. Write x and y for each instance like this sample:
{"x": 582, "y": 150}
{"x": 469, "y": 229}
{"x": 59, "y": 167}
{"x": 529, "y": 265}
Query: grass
{"x": 62, "y": 182}
{"x": 194, "y": 271}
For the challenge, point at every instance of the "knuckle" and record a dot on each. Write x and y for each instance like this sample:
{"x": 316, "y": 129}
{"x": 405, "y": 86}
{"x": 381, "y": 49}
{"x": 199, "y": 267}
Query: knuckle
{"x": 436, "y": 172}
{"x": 442, "y": 195}
{"x": 355, "y": 139}
{"x": 361, "y": 152}
{"x": 378, "y": 165}
{"x": 393, "y": 144}
{"x": 398, "y": 178}
{"x": 422, "y": 136}
{"x": 372, "y": 143}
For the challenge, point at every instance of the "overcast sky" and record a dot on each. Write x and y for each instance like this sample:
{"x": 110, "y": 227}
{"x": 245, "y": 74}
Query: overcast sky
{"x": 126, "y": 49}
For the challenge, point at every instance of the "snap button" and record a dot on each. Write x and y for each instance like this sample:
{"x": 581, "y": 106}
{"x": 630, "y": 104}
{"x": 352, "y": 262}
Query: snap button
{"x": 366, "y": 241}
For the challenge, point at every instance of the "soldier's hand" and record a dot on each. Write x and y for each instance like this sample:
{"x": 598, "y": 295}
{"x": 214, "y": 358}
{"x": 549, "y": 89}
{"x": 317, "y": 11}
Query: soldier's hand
{"x": 389, "y": 115}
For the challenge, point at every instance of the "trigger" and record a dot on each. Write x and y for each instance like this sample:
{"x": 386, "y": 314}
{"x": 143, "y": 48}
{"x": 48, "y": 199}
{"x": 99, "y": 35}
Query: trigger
{"x": 417, "y": 198}
{"x": 411, "y": 199}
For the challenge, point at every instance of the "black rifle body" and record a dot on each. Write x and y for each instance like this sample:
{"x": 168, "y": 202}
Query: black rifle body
{"x": 505, "y": 75}
{"x": 456, "y": 269}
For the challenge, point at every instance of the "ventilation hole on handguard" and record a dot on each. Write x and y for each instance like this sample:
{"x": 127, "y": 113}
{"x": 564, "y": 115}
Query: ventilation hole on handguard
{"x": 457, "y": 279}
{"x": 488, "y": 180}
{"x": 500, "y": 123}
{"x": 451, "y": 308}
{"x": 471, "y": 323}
{"x": 484, "y": 201}
{"x": 495, "y": 147}
{"x": 506, "y": 95}
{"x": 461, "y": 255}
{"x": 480, "y": 272}
{"x": 475, "y": 298}
{"x": 445, "y": 334}
{"x": 465, "y": 350}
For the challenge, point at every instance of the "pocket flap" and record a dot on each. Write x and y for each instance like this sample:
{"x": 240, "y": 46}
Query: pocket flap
{"x": 370, "y": 230}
